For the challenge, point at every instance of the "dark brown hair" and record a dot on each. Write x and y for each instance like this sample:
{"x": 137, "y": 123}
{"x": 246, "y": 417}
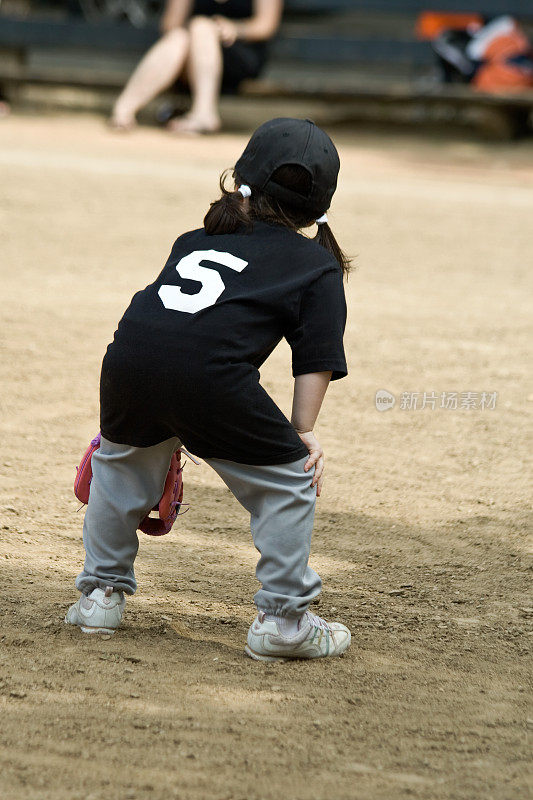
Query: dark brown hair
{"x": 230, "y": 213}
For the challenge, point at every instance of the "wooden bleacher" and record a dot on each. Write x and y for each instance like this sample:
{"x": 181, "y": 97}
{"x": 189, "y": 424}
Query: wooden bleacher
{"x": 344, "y": 51}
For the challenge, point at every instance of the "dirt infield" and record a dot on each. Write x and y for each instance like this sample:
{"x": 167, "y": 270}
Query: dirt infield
{"x": 420, "y": 534}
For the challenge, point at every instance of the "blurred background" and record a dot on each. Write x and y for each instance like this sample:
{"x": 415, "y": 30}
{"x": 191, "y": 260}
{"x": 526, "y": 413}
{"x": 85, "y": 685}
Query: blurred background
{"x": 421, "y": 536}
{"x": 435, "y": 62}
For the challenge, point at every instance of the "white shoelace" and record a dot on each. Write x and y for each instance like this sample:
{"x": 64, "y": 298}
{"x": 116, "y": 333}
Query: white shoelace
{"x": 317, "y": 622}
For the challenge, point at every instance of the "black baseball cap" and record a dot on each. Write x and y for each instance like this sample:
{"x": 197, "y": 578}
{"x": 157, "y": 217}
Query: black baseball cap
{"x": 283, "y": 141}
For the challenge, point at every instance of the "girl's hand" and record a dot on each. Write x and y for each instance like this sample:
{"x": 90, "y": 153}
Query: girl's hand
{"x": 227, "y": 30}
{"x": 316, "y": 458}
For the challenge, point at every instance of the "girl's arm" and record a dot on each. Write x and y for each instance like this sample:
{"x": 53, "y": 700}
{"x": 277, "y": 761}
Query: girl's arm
{"x": 175, "y": 14}
{"x": 261, "y": 26}
{"x": 309, "y": 391}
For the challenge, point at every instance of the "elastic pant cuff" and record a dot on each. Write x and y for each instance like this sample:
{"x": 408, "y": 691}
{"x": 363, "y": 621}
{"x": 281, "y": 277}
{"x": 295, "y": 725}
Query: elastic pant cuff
{"x": 86, "y": 585}
{"x": 278, "y": 611}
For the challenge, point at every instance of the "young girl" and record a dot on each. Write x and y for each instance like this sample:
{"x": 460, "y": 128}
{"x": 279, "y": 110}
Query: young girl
{"x": 183, "y": 369}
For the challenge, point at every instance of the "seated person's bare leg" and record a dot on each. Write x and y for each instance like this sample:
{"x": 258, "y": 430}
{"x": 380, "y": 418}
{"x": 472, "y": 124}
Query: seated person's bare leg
{"x": 158, "y": 70}
{"x": 204, "y": 69}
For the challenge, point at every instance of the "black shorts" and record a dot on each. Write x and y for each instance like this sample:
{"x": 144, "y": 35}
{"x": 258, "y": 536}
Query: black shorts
{"x": 242, "y": 60}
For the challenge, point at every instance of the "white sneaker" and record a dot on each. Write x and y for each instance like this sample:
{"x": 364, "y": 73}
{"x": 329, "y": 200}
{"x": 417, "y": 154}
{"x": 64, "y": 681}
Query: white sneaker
{"x": 315, "y": 638}
{"x": 99, "y": 612}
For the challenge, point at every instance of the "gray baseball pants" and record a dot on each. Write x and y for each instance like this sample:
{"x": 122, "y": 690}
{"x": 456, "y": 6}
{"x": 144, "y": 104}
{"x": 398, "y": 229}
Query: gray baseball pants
{"x": 127, "y": 483}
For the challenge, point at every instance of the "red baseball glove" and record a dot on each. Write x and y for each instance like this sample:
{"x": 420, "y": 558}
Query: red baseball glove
{"x": 171, "y": 499}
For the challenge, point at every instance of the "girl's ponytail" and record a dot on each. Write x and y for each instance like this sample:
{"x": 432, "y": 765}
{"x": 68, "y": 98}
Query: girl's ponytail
{"x": 326, "y": 238}
{"x": 231, "y": 212}
{"x": 227, "y": 214}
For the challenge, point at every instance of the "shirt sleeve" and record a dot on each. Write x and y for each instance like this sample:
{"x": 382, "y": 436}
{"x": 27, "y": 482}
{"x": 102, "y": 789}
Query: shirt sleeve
{"x": 317, "y": 339}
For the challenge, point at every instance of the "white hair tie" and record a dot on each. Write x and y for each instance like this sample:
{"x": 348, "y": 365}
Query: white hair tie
{"x": 245, "y": 190}
{"x": 322, "y": 220}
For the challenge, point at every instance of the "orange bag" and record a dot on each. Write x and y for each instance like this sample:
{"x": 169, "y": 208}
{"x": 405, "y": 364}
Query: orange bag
{"x": 430, "y": 24}
{"x": 506, "y": 57}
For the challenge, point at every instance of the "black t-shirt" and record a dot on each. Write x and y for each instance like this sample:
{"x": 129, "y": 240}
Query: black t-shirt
{"x": 186, "y": 355}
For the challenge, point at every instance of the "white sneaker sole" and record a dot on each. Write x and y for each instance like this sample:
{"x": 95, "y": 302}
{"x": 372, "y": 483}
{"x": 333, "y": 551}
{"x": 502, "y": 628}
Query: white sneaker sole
{"x": 88, "y": 629}
{"x": 85, "y": 629}
{"x": 259, "y": 657}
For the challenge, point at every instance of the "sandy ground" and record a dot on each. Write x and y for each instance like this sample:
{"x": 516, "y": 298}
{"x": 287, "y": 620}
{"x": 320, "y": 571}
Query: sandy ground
{"x": 421, "y": 530}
